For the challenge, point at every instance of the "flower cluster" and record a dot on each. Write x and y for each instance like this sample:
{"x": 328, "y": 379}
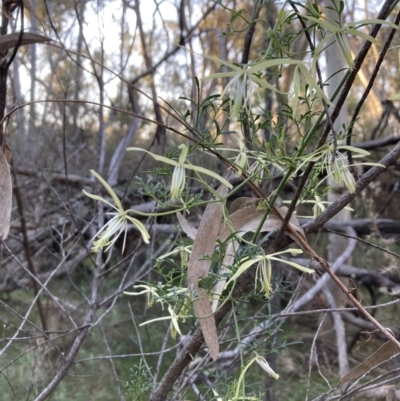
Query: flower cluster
{"x": 179, "y": 174}
{"x": 154, "y": 295}
{"x": 263, "y": 275}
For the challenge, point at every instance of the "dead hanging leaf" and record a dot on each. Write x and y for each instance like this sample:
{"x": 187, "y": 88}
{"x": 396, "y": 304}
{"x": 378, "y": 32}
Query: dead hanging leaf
{"x": 198, "y": 267}
{"x": 10, "y": 5}
{"x": 241, "y": 203}
{"x": 187, "y": 228}
{"x": 5, "y": 196}
{"x": 28, "y": 38}
{"x": 7, "y": 152}
{"x": 7, "y": 5}
{"x": 248, "y": 219}
{"x": 382, "y": 354}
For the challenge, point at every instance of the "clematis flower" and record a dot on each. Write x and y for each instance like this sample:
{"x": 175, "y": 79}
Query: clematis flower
{"x": 245, "y": 80}
{"x": 184, "y": 252}
{"x": 263, "y": 363}
{"x": 153, "y": 295}
{"x": 178, "y": 176}
{"x": 319, "y": 206}
{"x": 339, "y": 169}
{"x": 111, "y": 231}
{"x": 336, "y": 165}
{"x": 241, "y": 161}
{"x": 263, "y": 274}
{"x": 338, "y": 32}
{"x": 340, "y": 173}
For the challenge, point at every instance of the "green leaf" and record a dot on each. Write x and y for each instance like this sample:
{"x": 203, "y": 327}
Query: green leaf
{"x": 313, "y": 83}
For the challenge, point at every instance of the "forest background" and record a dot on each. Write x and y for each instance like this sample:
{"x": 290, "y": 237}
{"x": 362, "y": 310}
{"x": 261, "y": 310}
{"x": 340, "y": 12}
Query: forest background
{"x": 256, "y": 131}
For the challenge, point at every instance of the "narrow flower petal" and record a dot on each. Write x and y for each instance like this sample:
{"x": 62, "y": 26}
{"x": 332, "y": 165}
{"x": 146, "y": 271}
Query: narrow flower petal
{"x": 156, "y": 157}
{"x": 208, "y": 172}
{"x": 142, "y": 229}
{"x": 109, "y": 190}
{"x": 184, "y": 153}
{"x": 219, "y": 75}
{"x": 174, "y": 320}
{"x": 264, "y": 364}
{"x": 295, "y": 265}
{"x": 98, "y": 198}
{"x": 354, "y": 150}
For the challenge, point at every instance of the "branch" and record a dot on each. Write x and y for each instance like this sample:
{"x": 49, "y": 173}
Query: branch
{"x": 346, "y": 198}
{"x": 378, "y": 143}
{"x": 182, "y": 41}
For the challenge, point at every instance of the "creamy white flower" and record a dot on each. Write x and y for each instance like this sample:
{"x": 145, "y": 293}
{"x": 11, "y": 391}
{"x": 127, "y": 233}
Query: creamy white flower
{"x": 178, "y": 176}
{"x": 241, "y": 161}
{"x": 338, "y": 31}
{"x": 151, "y": 294}
{"x": 263, "y": 274}
{"x": 339, "y": 170}
{"x": 245, "y": 79}
{"x": 118, "y": 224}
{"x": 336, "y": 165}
{"x": 264, "y": 364}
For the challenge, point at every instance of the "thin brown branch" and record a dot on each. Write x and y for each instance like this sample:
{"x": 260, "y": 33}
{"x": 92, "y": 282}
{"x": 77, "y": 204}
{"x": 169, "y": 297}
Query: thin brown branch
{"x": 378, "y": 143}
{"x": 167, "y": 55}
{"x": 160, "y": 132}
{"x": 28, "y": 253}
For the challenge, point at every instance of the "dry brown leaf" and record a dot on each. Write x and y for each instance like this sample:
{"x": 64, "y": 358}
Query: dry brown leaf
{"x": 7, "y": 152}
{"x": 249, "y": 218}
{"x": 8, "y": 4}
{"x": 187, "y": 228}
{"x": 205, "y": 239}
{"x": 246, "y": 218}
{"x": 198, "y": 267}
{"x": 382, "y": 354}
{"x": 202, "y": 307}
{"x": 5, "y": 196}
{"x": 241, "y": 203}
{"x": 12, "y": 39}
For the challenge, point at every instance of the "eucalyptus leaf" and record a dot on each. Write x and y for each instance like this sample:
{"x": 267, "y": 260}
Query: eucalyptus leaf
{"x": 5, "y": 196}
